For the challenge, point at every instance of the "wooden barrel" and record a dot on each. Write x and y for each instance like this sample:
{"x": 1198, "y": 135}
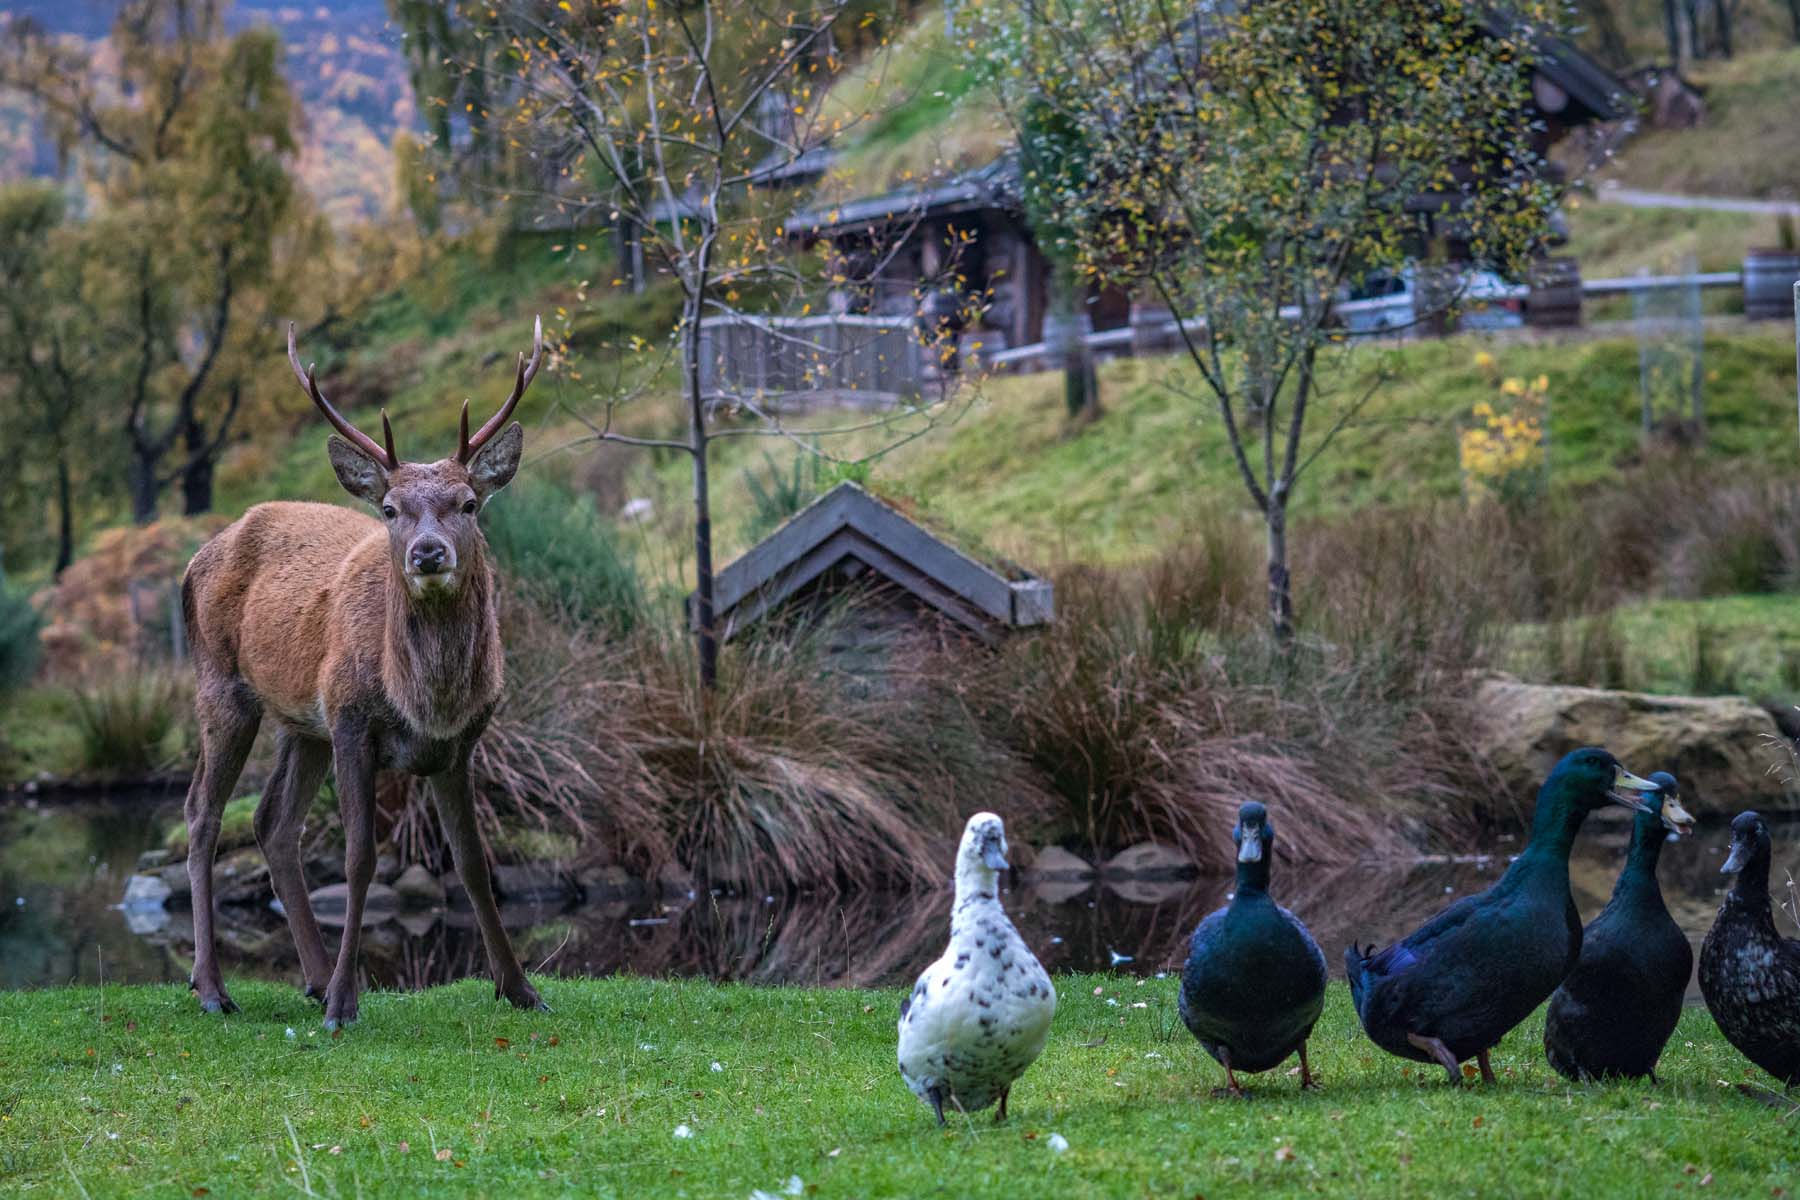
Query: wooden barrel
{"x": 1555, "y": 299}
{"x": 1769, "y": 277}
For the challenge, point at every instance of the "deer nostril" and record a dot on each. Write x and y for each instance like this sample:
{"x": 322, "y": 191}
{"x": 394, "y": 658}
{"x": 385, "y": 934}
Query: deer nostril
{"x": 428, "y": 557}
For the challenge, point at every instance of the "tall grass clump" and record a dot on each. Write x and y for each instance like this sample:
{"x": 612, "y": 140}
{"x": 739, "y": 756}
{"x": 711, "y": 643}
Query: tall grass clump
{"x": 126, "y": 720}
{"x": 776, "y": 495}
{"x": 554, "y": 545}
{"x": 790, "y": 774}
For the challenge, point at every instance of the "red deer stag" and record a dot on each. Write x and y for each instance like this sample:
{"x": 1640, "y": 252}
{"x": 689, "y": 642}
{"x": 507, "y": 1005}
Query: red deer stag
{"x": 373, "y": 645}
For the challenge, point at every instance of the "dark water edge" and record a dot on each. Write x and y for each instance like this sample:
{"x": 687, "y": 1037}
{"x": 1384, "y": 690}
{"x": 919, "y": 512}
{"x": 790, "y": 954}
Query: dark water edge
{"x": 63, "y": 869}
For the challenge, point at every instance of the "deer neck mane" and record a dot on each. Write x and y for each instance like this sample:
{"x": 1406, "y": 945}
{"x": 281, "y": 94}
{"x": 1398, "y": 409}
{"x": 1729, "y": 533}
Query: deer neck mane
{"x": 441, "y": 663}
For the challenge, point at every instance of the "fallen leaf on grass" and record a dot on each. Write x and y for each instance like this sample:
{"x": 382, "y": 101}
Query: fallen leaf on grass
{"x": 403, "y": 1147}
{"x": 443, "y": 1156}
{"x": 503, "y": 1043}
{"x": 1469, "y": 1071}
{"x": 1284, "y": 1154}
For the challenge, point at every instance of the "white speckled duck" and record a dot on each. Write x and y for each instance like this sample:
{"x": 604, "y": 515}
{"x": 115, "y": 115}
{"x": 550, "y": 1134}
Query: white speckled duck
{"x": 981, "y": 1013}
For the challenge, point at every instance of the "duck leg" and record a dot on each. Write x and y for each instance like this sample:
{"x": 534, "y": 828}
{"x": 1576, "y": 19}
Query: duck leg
{"x": 1487, "y": 1069}
{"x": 937, "y": 1104}
{"x": 1307, "y": 1082}
{"x": 1231, "y": 1087}
{"x": 1004, "y": 1093}
{"x": 1440, "y": 1054}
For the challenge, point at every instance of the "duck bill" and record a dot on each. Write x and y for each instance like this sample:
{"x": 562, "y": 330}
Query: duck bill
{"x": 995, "y": 860}
{"x": 1676, "y": 818}
{"x": 1740, "y": 855}
{"x": 1628, "y": 790}
{"x": 1250, "y": 848}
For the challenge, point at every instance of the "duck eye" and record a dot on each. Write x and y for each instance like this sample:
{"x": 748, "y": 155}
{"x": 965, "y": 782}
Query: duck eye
{"x": 469, "y": 505}
{"x": 388, "y": 511}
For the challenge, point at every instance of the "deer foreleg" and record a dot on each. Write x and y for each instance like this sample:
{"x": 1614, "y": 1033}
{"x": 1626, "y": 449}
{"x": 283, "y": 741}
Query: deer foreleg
{"x": 300, "y": 765}
{"x": 456, "y": 811}
{"x": 226, "y": 733}
{"x": 353, "y": 756}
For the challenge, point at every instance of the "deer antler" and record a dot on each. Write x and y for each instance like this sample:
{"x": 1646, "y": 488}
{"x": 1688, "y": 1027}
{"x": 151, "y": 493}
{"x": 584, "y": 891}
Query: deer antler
{"x": 466, "y": 445}
{"x": 353, "y": 435}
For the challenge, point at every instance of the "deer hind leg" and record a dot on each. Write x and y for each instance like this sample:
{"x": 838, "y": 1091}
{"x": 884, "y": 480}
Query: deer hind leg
{"x": 300, "y": 764}
{"x": 456, "y": 811}
{"x": 354, "y": 759}
{"x": 228, "y": 722}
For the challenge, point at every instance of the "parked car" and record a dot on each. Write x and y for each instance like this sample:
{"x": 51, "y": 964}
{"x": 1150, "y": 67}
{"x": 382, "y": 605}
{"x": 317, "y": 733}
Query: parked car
{"x": 1387, "y": 302}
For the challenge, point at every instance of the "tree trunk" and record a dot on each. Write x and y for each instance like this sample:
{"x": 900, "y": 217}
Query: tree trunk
{"x": 142, "y": 483}
{"x": 197, "y": 486}
{"x": 1722, "y": 23}
{"x": 706, "y": 638}
{"x": 1281, "y": 598}
{"x": 197, "y": 474}
{"x": 1081, "y": 387}
{"x": 1794, "y": 13}
{"x": 65, "y": 516}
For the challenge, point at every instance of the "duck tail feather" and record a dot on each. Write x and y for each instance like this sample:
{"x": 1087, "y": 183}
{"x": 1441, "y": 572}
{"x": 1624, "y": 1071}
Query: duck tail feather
{"x": 1356, "y": 961}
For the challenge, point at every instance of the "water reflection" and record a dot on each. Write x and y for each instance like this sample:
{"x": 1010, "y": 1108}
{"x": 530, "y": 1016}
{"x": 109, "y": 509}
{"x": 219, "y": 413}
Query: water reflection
{"x": 62, "y": 871}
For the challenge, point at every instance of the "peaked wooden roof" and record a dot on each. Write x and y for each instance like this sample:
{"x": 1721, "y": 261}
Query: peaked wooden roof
{"x": 848, "y": 523}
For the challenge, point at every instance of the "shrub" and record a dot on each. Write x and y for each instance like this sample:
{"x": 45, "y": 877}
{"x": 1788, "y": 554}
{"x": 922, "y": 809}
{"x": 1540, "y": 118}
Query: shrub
{"x": 556, "y": 547}
{"x": 126, "y": 721}
{"x": 20, "y": 649}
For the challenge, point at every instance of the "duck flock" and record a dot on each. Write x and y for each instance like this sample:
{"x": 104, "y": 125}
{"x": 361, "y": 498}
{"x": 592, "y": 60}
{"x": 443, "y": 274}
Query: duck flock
{"x": 1254, "y": 983}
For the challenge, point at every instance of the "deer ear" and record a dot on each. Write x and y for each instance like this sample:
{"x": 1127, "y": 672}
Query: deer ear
{"x": 497, "y": 462}
{"x": 361, "y": 475}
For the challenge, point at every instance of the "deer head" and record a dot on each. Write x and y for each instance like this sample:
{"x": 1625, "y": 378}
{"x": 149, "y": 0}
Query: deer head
{"x": 430, "y": 509}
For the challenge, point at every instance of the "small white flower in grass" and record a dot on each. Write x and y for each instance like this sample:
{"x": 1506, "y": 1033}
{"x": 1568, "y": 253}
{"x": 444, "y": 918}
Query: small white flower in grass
{"x": 1057, "y": 1142}
{"x": 645, "y": 1046}
{"x": 112, "y": 1137}
{"x": 682, "y": 1131}
{"x": 291, "y": 1035}
{"x": 718, "y": 1066}
{"x": 118, "y": 1068}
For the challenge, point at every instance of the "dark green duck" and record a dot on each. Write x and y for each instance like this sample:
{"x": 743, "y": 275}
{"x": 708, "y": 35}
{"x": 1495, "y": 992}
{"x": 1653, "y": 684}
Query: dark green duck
{"x": 1749, "y": 973}
{"x": 1453, "y": 987}
{"x": 1614, "y": 1013}
{"x": 1255, "y": 979}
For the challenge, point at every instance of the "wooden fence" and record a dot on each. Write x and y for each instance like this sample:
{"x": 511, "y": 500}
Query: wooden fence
{"x": 835, "y": 359}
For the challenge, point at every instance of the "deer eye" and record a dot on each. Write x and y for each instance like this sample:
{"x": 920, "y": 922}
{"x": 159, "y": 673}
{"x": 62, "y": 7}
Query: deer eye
{"x": 388, "y": 511}
{"x": 469, "y": 505}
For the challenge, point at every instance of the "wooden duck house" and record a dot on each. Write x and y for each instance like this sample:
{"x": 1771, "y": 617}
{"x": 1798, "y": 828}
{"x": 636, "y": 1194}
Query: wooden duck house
{"x": 890, "y": 574}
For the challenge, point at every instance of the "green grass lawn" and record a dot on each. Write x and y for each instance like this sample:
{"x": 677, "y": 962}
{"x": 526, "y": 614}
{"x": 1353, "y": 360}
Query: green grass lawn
{"x": 130, "y": 1091}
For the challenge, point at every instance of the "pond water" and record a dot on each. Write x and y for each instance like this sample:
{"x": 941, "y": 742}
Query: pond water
{"x": 63, "y": 869}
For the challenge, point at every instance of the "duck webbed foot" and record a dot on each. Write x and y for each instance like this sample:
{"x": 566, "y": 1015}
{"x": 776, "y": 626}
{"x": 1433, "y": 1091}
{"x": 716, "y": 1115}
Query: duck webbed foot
{"x": 1440, "y": 1054}
{"x": 1231, "y": 1090}
{"x": 1307, "y": 1082}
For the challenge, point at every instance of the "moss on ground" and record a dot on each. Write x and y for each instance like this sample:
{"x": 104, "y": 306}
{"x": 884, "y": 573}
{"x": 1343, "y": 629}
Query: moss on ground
{"x": 130, "y": 1091}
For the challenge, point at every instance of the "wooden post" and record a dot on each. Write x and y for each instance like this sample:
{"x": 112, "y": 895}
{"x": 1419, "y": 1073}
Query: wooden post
{"x": 1797, "y": 301}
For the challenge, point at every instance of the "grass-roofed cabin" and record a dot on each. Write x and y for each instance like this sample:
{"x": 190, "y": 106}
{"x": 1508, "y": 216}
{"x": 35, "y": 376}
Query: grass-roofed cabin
{"x": 873, "y": 580}
{"x": 897, "y": 241}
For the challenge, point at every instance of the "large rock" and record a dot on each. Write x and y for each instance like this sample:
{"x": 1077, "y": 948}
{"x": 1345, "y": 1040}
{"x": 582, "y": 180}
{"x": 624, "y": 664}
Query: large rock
{"x": 144, "y": 892}
{"x": 1725, "y": 750}
{"x": 1055, "y": 863}
{"x": 418, "y": 888}
{"x": 329, "y": 904}
{"x": 531, "y": 883}
{"x": 1149, "y": 861}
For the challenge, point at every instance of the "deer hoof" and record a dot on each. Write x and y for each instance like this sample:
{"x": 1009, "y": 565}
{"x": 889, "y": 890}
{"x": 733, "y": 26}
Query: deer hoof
{"x": 523, "y": 996}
